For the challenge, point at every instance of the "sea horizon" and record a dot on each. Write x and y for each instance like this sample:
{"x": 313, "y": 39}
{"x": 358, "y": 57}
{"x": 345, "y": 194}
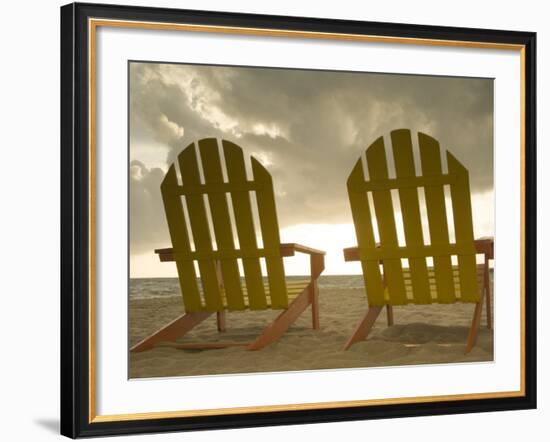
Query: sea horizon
{"x": 163, "y": 287}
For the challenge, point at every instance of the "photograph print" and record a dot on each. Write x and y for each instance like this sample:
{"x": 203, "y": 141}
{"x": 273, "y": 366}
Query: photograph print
{"x": 294, "y": 219}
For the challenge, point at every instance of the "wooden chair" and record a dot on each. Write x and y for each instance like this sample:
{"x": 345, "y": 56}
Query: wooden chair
{"x": 222, "y": 288}
{"x": 387, "y": 281}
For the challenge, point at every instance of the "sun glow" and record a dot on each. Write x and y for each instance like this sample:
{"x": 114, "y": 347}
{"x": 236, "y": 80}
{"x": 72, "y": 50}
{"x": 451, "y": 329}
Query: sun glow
{"x": 332, "y": 238}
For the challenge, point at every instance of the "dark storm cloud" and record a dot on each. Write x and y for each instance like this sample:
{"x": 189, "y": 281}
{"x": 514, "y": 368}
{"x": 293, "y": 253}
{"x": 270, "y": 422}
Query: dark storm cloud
{"x": 147, "y": 226}
{"x": 308, "y": 127}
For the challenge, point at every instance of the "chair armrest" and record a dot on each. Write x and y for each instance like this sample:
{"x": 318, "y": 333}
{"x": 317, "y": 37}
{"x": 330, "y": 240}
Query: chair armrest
{"x": 316, "y": 257}
{"x": 351, "y": 254}
{"x": 165, "y": 255}
{"x": 485, "y": 245}
{"x": 289, "y": 249}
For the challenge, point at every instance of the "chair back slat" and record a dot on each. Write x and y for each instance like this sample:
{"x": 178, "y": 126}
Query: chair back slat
{"x": 464, "y": 231}
{"x": 190, "y": 175}
{"x": 210, "y": 158}
{"x": 430, "y": 159}
{"x": 417, "y": 283}
{"x": 383, "y": 208}
{"x": 410, "y": 209}
{"x": 362, "y": 221}
{"x": 236, "y": 174}
{"x": 220, "y": 277}
{"x": 180, "y": 241}
{"x": 270, "y": 235}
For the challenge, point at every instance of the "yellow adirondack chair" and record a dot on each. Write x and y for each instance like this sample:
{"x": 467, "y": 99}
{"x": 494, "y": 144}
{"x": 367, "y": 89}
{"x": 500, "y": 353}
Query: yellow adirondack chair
{"x": 222, "y": 287}
{"x": 387, "y": 281}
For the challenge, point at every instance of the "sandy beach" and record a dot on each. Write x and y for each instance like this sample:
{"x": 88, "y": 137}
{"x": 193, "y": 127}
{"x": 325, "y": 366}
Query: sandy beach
{"x": 421, "y": 335}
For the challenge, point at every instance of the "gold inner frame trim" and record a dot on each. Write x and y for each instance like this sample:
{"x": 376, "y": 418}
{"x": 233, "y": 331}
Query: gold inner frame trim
{"x": 93, "y": 24}
{"x": 305, "y": 406}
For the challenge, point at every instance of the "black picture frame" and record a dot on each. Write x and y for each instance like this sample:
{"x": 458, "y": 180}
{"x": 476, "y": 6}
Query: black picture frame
{"x": 75, "y": 220}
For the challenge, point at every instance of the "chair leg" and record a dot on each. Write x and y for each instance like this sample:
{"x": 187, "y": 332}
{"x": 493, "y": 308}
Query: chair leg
{"x": 363, "y": 328}
{"x": 314, "y": 300}
{"x": 389, "y": 314}
{"x": 281, "y": 324}
{"x": 220, "y": 319}
{"x": 317, "y": 265}
{"x": 170, "y": 332}
{"x": 220, "y": 316}
{"x": 487, "y": 284}
{"x": 474, "y": 329}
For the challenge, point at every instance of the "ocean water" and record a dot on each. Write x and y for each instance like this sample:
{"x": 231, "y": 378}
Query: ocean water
{"x": 147, "y": 288}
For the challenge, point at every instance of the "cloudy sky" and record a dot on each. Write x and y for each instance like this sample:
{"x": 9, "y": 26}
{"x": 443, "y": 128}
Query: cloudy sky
{"x": 308, "y": 128}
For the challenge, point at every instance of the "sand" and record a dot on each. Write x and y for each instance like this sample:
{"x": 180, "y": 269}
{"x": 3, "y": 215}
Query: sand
{"x": 420, "y": 335}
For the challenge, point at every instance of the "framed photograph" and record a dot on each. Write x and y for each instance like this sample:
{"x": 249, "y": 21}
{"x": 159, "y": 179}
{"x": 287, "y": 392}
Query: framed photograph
{"x": 273, "y": 220}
